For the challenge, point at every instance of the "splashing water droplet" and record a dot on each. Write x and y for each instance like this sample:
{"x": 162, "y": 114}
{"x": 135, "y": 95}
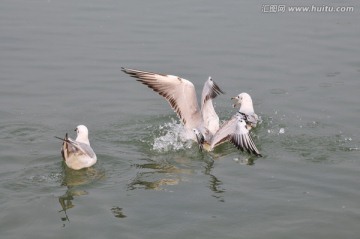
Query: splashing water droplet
{"x": 172, "y": 138}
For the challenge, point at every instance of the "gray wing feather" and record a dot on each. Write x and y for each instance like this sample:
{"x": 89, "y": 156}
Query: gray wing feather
{"x": 78, "y": 147}
{"x": 242, "y": 139}
{"x": 236, "y": 132}
{"x": 86, "y": 149}
{"x": 224, "y": 133}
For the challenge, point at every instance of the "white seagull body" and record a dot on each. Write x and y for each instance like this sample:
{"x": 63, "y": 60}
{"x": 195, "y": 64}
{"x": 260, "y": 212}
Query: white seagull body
{"x": 78, "y": 153}
{"x": 237, "y": 129}
{"x": 181, "y": 95}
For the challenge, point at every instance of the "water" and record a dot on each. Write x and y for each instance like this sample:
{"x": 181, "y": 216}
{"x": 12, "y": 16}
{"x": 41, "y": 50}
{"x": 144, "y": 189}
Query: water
{"x": 60, "y": 66}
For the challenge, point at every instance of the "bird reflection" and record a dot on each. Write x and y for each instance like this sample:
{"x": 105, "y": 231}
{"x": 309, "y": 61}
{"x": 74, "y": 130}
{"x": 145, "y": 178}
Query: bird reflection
{"x": 155, "y": 175}
{"x": 66, "y": 201}
{"x": 223, "y": 150}
{"x": 215, "y": 184}
{"x": 74, "y": 180}
{"x": 118, "y": 212}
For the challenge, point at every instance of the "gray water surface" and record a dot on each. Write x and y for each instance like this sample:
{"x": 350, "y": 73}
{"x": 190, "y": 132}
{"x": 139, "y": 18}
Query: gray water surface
{"x": 60, "y": 66}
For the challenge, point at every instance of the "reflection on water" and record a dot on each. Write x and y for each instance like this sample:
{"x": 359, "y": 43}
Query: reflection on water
{"x": 66, "y": 201}
{"x": 73, "y": 180}
{"x": 154, "y": 175}
{"x": 165, "y": 171}
{"x": 215, "y": 185}
{"x": 118, "y": 212}
{"x": 242, "y": 157}
{"x": 245, "y": 160}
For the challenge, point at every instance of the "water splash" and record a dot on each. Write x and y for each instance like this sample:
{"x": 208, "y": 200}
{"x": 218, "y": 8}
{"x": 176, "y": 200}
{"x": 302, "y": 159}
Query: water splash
{"x": 171, "y": 138}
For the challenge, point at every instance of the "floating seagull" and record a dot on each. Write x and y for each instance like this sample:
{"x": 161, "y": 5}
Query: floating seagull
{"x": 236, "y": 130}
{"x": 78, "y": 153}
{"x": 199, "y": 124}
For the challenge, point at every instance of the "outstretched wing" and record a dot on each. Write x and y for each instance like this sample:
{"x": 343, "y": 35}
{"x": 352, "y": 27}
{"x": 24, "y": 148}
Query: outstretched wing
{"x": 224, "y": 133}
{"x": 180, "y": 94}
{"x": 210, "y": 118}
{"x": 242, "y": 139}
{"x": 236, "y": 132}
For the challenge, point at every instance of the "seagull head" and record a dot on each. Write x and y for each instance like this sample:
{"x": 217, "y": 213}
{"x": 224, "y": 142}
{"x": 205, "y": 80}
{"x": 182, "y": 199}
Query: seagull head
{"x": 245, "y": 102}
{"x": 82, "y": 134}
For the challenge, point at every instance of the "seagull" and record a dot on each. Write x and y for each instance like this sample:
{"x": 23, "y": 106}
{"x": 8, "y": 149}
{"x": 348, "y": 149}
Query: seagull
{"x": 237, "y": 129}
{"x": 78, "y": 153}
{"x": 200, "y": 124}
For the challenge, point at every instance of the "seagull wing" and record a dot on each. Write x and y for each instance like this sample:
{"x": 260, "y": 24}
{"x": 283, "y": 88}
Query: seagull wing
{"x": 71, "y": 146}
{"x": 86, "y": 149}
{"x": 180, "y": 94}
{"x": 210, "y": 118}
{"x": 236, "y": 132}
{"x": 224, "y": 133}
{"x": 242, "y": 139}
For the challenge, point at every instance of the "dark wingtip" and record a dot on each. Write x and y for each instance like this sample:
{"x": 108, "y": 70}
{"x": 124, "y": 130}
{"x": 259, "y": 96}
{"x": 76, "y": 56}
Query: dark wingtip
{"x": 58, "y": 138}
{"x": 217, "y": 89}
{"x": 65, "y": 139}
{"x": 253, "y": 151}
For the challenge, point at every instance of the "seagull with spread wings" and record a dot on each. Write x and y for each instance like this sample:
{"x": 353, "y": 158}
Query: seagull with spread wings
{"x": 237, "y": 129}
{"x": 200, "y": 124}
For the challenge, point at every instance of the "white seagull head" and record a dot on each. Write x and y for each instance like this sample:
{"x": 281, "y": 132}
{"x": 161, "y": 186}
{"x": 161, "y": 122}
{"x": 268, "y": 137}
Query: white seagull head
{"x": 245, "y": 102}
{"x": 82, "y": 134}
